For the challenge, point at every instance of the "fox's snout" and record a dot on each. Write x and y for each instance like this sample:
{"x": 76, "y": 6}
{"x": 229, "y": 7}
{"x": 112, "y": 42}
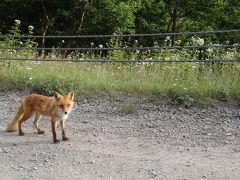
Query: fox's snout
{"x": 65, "y": 109}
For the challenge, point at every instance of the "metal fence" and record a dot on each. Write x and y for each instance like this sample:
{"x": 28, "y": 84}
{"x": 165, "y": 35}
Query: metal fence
{"x": 231, "y": 45}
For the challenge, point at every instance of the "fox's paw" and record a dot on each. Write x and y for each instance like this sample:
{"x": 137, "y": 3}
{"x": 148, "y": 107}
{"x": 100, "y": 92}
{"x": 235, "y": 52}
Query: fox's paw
{"x": 56, "y": 141}
{"x": 65, "y": 139}
{"x": 41, "y": 132}
{"x": 21, "y": 133}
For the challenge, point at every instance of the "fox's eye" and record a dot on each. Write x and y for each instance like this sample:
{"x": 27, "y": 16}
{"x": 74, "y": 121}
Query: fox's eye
{"x": 68, "y": 105}
{"x": 61, "y": 106}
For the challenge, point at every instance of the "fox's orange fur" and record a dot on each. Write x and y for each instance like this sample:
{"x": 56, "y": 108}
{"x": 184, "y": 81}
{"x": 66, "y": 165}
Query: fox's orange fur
{"x": 57, "y": 108}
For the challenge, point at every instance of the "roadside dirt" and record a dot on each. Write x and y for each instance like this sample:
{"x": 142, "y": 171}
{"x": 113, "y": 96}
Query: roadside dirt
{"x": 157, "y": 141}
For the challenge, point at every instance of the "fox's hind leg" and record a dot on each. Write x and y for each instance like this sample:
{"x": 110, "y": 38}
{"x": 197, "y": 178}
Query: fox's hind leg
{"x": 37, "y": 118}
{"x": 25, "y": 117}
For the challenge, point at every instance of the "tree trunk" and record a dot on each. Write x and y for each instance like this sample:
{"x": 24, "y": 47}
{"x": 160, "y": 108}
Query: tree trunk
{"x": 174, "y": 25}
{"x": 45, "y": 25}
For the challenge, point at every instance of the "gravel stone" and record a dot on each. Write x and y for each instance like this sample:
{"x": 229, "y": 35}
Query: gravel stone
{"x": 157, "y": 141}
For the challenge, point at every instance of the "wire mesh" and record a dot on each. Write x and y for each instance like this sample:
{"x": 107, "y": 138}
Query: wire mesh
{"x": 66, "y": 50}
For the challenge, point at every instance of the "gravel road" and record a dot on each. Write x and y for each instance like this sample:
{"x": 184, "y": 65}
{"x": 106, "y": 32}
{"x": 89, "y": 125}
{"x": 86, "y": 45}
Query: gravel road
{"x": 157, "y": 141}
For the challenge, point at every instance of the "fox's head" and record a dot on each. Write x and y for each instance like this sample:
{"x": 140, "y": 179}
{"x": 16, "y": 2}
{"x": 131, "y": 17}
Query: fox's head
{"x": 64, "y": 103}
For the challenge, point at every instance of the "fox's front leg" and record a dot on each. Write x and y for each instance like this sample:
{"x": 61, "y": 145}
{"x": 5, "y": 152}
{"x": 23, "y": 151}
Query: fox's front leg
{"x": 62, "y": 122}
{"x": 55, "y": 140}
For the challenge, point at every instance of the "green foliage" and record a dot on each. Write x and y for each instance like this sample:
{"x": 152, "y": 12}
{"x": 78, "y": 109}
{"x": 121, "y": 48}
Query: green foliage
{"x": 130, "y": 107}
{"x": 117, "y": 42}
{"x": 13, "y": 43}
{"x": 115, "y": 16}
{"x": 49, "y": 84}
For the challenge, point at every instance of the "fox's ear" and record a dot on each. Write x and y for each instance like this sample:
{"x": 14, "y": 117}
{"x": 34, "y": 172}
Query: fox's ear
{"x": 71, "y": 95}
{"x": 57, "y": 95}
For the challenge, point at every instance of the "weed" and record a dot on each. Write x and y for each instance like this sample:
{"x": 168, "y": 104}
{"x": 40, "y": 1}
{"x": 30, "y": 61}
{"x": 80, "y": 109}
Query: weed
{"x": 129, "y": 108}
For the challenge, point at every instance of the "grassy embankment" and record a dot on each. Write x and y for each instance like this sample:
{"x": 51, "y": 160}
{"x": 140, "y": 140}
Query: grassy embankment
{"x": 176, "y": 81}
{"x": 171, "y": 80}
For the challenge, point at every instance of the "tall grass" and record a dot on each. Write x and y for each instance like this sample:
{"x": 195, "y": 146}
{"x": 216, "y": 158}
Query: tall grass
{"x": 171, "y": 80}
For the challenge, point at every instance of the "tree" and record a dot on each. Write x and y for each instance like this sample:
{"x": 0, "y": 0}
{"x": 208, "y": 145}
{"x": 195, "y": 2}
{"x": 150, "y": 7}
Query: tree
{"x": 112, "y": 16}
{"x": 76, "y": 17}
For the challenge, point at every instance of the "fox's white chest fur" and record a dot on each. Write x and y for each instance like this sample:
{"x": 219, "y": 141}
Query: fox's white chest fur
{"x": 61, "y": 115}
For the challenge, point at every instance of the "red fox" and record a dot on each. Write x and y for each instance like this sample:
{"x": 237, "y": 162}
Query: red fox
{"x": 57, "y": 108}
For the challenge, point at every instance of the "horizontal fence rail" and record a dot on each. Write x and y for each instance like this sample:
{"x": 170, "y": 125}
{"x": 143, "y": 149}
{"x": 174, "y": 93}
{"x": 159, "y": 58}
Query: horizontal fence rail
{"x": 125, "y": 49}
{"x": 11, "y": 52}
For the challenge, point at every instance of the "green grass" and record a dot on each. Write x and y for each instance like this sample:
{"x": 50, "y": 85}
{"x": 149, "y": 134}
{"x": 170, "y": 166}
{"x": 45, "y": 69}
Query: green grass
{"x": 170, "y": 80}
{"x": 130, "y": 107}
{"x": 180, "y": 82}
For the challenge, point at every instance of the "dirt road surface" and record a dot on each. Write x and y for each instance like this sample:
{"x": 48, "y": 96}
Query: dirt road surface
{"x": 157, "y": 141}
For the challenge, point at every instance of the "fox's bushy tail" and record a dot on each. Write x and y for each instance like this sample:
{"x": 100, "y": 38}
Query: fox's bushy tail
{"x": 13, "y": 126}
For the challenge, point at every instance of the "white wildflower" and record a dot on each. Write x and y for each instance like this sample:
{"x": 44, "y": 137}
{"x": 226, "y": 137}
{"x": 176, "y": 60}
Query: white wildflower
{"x": 100, "y": 46}
{"x": 167, "y": 38}
{"x": 30, "y": 28}
{"x": 178, "y": 42}
{"x": 200, "y": 41}
{"x": 17, "y": 22}
{"x": 209, "y": 50}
